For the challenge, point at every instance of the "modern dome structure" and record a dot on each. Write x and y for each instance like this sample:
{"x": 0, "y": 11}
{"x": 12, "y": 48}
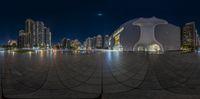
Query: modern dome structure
{"x": 146, "y": 34}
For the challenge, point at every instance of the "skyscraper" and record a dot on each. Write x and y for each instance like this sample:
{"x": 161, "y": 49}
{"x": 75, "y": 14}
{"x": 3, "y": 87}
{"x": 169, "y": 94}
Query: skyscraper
{"x": 199, "y": 42}
{"x": 75, "y": 44}
{"x": 35, "y": 35}
{"x": 47, "y": 37}
{"x": 68, "y": 44}
{"x": 189, "y": 38}
{"x": 64, "y": 43}
{"x": 40, "y": 33}
{"x": 21, "y": 39}
{"x": 88, "y": 43}
{"x": 99, "y": 41}
{"x": 106, "y": 41}
{"x": 30, "y": 32}
{"x": 94, "y": 42}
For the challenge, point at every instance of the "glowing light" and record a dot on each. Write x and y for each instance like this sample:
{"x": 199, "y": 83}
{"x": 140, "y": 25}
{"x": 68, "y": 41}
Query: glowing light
{"x": 109, "y": 43}
{"x": 118, "y": 31}
{"x": 36, "y": 51}
{"x": 41, "y": 53}
{"x": 198, "y": 50}
{"x": 2, "y": 51}
{"x": 118, "y": 48}
{"x": 13, "y": 53}
{"x": 100, "y": 14}
{"x": 54, "y": 51}
{"x": 140, "y": 48}
{"x": 29, "y": 53}
{"x": 154, "y": 48}
{"x": 117, "y": 40}
{"x": 109, "y": 55}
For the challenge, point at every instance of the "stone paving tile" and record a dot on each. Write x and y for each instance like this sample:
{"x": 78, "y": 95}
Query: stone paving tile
{"x": 110, "y": 74}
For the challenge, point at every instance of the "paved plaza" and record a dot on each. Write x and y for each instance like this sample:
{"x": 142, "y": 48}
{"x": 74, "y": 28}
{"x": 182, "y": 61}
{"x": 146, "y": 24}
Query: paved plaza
{"x": 100, "y": 75}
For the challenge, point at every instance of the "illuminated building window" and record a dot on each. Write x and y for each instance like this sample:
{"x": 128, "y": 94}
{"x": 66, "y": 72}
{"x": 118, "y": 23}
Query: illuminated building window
{"x": 116, "y": 36}
{"x": 118, "y": 48}
{"x": 118, "y": 31}
{"x": 141, "y": 48}
{"x": 154, "y": 48}
{"x": 117, "y": 40}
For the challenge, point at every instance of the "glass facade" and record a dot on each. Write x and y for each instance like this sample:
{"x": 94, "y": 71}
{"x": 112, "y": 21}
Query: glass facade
{"x": 117, "y": 40}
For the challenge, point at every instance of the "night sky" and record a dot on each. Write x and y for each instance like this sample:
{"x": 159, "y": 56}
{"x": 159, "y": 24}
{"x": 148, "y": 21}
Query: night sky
{"x": 83, "y": 18}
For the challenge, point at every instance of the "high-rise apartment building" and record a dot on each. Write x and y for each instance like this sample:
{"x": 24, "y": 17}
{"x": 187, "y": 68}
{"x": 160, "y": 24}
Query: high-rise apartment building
{"x": 94, "y": 42}
{"x": 75, "y": 44}
{"x": 88, "y": 43}
{"x": 47, "y": 37}
{"x": 99, "y": 42}
{"x": 30, "y": 32}
{"x": 189, "y": 38}
{"x": 106, "y": 41}
{"x": 21, "y": 39}
{"x": 35, "y": 35}
{"x": 64, "y": 43}
{"x": 40, "y": 33}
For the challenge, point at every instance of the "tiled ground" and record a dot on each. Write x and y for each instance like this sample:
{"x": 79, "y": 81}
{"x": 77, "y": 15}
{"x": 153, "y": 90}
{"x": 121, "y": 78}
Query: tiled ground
{"x": 106, "y": 75}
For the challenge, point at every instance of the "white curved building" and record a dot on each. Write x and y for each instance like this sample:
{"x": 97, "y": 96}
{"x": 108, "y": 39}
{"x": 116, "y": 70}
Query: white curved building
{"x": 146, "y": 34}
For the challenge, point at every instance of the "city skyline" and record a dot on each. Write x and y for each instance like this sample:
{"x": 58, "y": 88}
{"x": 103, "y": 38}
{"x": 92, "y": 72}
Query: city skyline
{"x": 99, "y": 49}
{"x": 81, "y": 19}
{"x": 34, "y": 34}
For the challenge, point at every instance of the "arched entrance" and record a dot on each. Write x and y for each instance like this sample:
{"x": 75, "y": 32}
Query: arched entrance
{"x": 140, "y": 48}
{"x": 154, "y": 48}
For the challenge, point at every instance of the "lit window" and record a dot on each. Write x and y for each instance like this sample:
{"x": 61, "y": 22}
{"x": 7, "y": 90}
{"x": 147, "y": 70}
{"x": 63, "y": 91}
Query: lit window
{"x": 117, "y": 40}
{"x": 118, "y": 31}
{"x": 140, "y": 48}
{"x": 154, "y": 47}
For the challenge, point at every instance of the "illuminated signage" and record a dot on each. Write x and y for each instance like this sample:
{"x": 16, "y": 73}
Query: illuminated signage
{"x": 118, "y": 31}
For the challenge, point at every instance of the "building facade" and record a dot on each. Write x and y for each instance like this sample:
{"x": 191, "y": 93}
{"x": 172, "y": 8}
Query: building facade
{"x": 76, "y": 44}
{"x": 30, "y": 32}
{"x": 64, "y": 43}
{"x": 35, "y": 35}
{"x": 88, "y": 44}
{"x": 106, "y": 42}
{"x": 12, "y": 43}
{"x": 99, "y": 42}
{"x": 189, "y": 37}
{"x": 21, "y": 39}
{"x": 47, "y": 37}
{"x": 68, "y": 44}
{"x": 40, "y": 33}
{"x": 146, "y": 34}
{"x": 94, "y": 42}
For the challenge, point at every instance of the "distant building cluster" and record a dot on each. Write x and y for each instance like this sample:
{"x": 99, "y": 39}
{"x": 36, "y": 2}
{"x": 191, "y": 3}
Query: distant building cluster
{"x": 36, "y": 34}
{"x": 66, "y": 43}
{"x": 75, "y": 44}
{"x": 140, "y": 34}
{"x": 12, "y": 43}
{"x": 69, "y": 44}
{"x": 96, "y": 42}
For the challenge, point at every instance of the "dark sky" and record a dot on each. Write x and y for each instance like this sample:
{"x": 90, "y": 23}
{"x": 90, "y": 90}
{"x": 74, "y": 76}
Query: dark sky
{"x": 83, "y": 18}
